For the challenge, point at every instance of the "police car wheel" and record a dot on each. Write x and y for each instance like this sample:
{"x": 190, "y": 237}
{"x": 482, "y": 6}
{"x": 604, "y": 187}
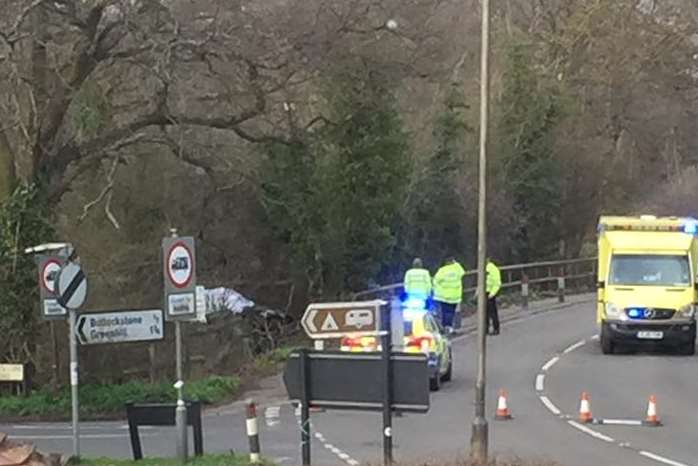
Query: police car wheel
{"x": 449, "y": 373}
{"x": 435, "y": 383}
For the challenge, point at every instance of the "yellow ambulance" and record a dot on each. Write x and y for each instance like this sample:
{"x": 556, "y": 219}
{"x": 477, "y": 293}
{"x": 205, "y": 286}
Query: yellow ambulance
{"x": 647, "y": 269}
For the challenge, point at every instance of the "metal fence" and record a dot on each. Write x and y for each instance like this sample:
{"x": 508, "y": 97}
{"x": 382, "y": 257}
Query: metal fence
{"x": 521, "y": 282}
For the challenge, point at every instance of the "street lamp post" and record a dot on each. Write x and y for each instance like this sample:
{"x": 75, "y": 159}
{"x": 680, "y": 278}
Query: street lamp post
{"x": 479, "y": 440}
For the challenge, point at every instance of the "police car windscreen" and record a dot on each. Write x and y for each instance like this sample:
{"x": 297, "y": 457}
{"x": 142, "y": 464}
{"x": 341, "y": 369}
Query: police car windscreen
{"x": 649, "y": 270}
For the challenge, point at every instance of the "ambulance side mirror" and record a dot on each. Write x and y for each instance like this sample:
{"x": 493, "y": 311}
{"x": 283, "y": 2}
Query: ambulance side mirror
{"x": 601, "y": 284}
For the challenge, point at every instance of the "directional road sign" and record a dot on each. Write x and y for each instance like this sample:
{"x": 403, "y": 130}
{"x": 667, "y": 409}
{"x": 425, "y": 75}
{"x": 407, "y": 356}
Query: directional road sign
{"x": 72, "y": 286}
{"x": 179, "y": 271}
{"x": 335, "y": 320}
{"x": 120, "y": 327}
{"x": 49, "y": 267}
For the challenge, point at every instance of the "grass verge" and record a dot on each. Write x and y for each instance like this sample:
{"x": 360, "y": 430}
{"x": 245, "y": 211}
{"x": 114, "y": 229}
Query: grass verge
{"x": 104, "y": 400}
{"x": 206, "y": 460}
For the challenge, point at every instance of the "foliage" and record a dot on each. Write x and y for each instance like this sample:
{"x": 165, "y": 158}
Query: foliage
{"x": 334, "y": 198}
{"x": 529, "y": 110}
{"x": 206, "y": 460}
{"x": 23, "y": 223}
{"x": 434, "y": 218}
{"x": 110, "y": 399}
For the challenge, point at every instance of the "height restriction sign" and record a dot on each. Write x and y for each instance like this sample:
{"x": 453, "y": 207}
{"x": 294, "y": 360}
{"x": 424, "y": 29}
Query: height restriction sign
{"x": 179, "y": 264}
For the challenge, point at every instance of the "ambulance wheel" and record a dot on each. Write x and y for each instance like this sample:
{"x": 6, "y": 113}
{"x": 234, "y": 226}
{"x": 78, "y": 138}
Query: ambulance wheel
{"x": 607, "y": 345}
{"x": 689, "y": 349}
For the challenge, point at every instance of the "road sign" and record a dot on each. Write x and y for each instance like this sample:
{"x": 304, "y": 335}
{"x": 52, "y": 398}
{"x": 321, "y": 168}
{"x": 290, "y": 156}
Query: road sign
{"x": 72, "y": 286}
{"x": 120, "y": 327}
{"x": 179, "y": 270}
{"x": 49, "y": 267}
{"x": 335, "y": 320}
{"x": 342, "y": 380}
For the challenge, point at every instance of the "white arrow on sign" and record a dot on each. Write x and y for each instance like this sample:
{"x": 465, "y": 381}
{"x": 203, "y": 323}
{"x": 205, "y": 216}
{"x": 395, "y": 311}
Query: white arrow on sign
{"x": 309, "y": 320}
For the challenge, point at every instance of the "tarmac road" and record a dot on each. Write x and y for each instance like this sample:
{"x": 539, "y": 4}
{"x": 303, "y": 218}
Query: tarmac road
{"x": 619, "y": 387}
{"x": 550, "y": 354}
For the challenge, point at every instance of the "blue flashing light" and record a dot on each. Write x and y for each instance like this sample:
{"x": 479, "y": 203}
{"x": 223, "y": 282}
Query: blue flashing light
{"x": 415, "y": 303}
{"x": 690, "y": 227}
{"x": 634, "y": 313}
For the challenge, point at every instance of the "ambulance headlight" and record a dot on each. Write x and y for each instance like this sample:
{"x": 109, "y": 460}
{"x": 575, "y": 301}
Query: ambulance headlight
{"x": 688, "y": 310}
{"x": 614, "y": 312}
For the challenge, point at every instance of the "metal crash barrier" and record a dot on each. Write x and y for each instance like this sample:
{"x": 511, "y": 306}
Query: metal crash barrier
{"x": 162, "y": 414}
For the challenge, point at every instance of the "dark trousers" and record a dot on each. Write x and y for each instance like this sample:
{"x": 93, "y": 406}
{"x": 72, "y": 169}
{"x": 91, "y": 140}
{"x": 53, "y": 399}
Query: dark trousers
{"x": 448, "y": 311}
{"x": 492, "y": 314}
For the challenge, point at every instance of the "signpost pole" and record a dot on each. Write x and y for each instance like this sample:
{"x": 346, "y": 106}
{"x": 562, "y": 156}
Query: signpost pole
{"x": 479, "y": 436}
{"x": 305, "y": 409}
{"x": 181, "y": 418}
{"x": 74, "y": 381}
{"x": 386, "y": 342}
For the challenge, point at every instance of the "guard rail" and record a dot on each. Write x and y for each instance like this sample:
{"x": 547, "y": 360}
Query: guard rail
{"x": 530, "y": 279}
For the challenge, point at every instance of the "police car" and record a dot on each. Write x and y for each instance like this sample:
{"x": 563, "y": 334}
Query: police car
{"x": 423, "y": 333}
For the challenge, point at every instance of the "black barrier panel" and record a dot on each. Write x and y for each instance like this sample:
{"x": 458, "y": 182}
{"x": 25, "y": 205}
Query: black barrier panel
{"x": 162, "y": 414}
{"x": 344, "y": 380}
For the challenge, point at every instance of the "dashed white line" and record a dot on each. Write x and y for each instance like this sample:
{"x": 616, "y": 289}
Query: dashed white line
{"x": 575, "y": 346}
{"x": 661, "y": 459}
{"x": 352, "y": 463}
{"x": 591, "y": 432}
{"x": 550, "y": 363}
{"x": 621, "y": 422}
{"x": 540, "y": 381}
{"x": 595, "y": 337}
{"x": 549, "y": 404}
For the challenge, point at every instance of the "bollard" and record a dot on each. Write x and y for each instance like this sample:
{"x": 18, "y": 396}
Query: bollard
{"x": 561, "y": 289}
{"x": 252, "y": 432}
{"x": 524, "y": 291}
{"x": 181, "y": 423}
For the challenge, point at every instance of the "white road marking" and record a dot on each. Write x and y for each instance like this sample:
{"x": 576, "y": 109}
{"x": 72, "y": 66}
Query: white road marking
{"x": 319, "y": 436}
{"x": 540, "y": 380}
{"x": 271, "y": 416}
{"x": 82, "y": 436}
{"x": 591, "y": 432}
{"x": 595, "y": 337}
{"x": 575, "y": 346}
{"x": 661, "y": 459}
{"x": 621, "y": 422}
{"x": 550, "y": 363}
{"x": 549, "y": 404}
{"x": 352, "y": 463}
{"x": 329, "y": 446}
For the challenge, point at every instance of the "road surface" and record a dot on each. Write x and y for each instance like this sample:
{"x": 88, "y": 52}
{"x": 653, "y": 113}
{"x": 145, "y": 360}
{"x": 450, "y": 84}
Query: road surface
{"x": 543, "y": 360}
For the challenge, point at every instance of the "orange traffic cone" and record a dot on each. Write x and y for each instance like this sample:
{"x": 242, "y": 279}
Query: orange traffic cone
{"x": 585, "y": 409}
{"x": 502, "y": 409}
{"x": 652, "y": 417}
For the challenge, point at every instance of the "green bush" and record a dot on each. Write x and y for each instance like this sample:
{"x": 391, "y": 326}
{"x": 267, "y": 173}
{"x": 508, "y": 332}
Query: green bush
{"x": 110, "y": 399}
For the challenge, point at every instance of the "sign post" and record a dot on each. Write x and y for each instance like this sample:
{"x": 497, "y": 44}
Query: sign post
{"x": 179, "y": 264}
{"x": 331, "y": 379}
{"x": 71, "y": 287}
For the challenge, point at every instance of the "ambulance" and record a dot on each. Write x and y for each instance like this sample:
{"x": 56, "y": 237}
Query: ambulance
{"x": 647, "y": 283}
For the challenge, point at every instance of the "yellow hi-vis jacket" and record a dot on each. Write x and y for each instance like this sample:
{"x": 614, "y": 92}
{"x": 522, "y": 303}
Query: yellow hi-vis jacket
{"x": 494, "y": 279}
{"x": 448, "y": 283}
{"x": 418, "y": 282}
